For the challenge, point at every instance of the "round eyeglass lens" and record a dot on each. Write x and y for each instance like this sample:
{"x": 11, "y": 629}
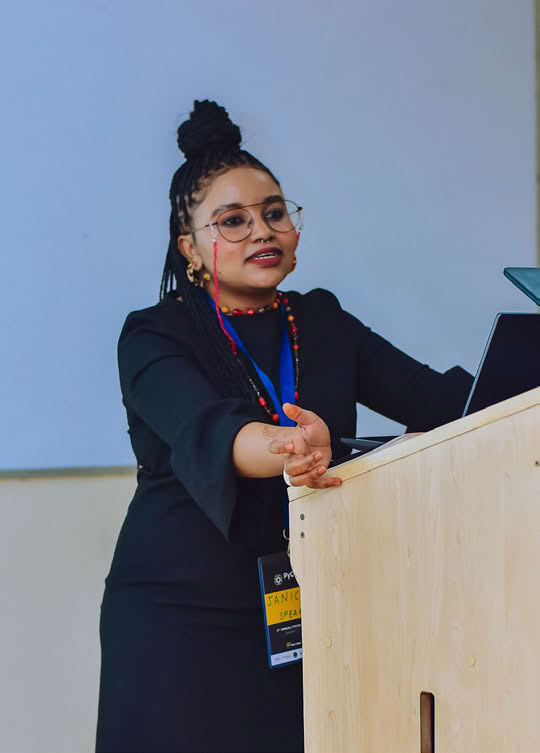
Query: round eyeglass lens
{"x": 282, "y": 216}
{"x": 236, "y": 224}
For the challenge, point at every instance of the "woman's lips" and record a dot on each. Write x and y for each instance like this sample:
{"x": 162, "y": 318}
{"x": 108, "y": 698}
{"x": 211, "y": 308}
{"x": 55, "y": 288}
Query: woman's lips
{"x": 269, "y": 257}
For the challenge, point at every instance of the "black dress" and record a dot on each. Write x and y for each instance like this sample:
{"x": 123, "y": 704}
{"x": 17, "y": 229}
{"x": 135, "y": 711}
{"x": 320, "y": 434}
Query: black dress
{"x": 184, "y": 665}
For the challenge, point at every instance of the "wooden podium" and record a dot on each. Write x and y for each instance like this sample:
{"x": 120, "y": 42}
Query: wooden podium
{"x": 420, "y": 588}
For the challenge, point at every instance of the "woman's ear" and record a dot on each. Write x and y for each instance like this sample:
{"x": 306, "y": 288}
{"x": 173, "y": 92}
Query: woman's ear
{"x": 188, "y": 250}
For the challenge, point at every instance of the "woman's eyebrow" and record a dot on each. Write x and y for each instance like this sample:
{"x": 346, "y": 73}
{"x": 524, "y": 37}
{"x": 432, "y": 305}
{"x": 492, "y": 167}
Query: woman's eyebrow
{"x": 237, "y": 205}
{"x": 222, "y": 207}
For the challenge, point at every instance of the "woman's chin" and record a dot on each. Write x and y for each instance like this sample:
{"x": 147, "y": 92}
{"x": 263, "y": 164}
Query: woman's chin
{"x": 263, "y": 279}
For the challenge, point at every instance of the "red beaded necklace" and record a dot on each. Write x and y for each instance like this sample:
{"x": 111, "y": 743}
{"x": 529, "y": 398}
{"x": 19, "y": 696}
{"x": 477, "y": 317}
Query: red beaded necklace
{"x": 251, "y": 311}
{"x": 280, "y": 300}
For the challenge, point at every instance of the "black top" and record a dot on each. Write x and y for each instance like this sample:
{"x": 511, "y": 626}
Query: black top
{"x": 193, "y": 524}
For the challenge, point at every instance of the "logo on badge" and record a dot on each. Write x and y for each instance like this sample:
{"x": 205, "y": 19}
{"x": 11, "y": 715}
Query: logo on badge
{"x": 278, "y": 579}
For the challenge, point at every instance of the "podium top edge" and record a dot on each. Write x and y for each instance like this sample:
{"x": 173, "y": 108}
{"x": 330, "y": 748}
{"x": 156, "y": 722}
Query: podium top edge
{"x": 364, "y": 463}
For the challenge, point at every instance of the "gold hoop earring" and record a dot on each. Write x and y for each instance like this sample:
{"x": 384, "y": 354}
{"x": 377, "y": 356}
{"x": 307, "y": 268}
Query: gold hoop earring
{"x": 190, "y": 273}
{"x": 294, "y": 263}
{"x": 194, "y": 280}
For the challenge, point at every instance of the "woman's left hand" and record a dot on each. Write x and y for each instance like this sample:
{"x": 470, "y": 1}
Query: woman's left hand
{"x": 306, "y": 449}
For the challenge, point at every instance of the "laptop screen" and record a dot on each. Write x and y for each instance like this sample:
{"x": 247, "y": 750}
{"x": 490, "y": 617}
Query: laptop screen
{"x": 511, "y": 361}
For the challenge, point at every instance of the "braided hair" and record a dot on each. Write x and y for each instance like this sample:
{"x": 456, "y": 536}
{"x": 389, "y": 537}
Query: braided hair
{"x": 211, "y": 145}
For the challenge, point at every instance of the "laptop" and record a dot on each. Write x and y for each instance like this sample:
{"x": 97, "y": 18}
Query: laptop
{"x": 509, "y": 366}
{"x": 510, "y": 363}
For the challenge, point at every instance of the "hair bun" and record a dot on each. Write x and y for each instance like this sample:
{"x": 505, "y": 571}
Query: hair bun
{"x": 209, "y": 129}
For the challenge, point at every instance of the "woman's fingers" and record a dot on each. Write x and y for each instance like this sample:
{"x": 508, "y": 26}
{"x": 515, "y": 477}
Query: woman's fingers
{"x": 278, "y": 447}
{"x": 314, "y": 478}
{"x": 326, "y": 483}
{"x": 296, "y": 445}
{"x": 298, "y": 464}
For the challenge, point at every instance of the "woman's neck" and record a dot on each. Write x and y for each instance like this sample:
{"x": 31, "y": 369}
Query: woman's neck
{"x": 243, "y": 300}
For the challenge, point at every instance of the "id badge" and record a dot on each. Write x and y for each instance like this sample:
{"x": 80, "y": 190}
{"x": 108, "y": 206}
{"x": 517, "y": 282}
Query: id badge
{"x": 281, "y": 605}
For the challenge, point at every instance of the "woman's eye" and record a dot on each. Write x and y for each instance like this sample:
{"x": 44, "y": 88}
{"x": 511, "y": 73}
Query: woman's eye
{"x": 233, "y": 221}
{"x": 275, "y": 214}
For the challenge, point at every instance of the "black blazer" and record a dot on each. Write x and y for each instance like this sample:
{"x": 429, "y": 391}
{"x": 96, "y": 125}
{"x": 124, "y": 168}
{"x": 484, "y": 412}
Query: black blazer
{"x": 193, "y": 525}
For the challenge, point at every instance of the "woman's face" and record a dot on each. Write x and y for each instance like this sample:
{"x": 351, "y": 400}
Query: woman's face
{"x": 242, "y": 272}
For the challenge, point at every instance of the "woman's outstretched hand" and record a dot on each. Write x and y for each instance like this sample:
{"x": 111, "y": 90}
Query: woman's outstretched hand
{"x": 306, "y": 450}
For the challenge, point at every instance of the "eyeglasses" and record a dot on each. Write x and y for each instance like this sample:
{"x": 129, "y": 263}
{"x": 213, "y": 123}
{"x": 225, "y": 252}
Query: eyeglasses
{"x": 236, "y": 225}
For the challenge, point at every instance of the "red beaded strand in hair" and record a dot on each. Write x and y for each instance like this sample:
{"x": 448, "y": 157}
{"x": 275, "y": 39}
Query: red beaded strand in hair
{"x": 216, "y": 283}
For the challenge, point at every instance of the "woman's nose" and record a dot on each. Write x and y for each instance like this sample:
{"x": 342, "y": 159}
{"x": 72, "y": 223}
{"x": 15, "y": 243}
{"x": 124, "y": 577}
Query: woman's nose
{"x": 260, "y": 230}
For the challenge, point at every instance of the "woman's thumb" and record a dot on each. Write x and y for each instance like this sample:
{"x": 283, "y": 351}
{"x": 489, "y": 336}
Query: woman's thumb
{"x": 290, "y": 410}
{"x": 295, "y": 412}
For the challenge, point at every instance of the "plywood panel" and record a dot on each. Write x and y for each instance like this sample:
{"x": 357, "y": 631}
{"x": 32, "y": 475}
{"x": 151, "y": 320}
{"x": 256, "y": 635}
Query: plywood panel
{"x": 421, "y": 574}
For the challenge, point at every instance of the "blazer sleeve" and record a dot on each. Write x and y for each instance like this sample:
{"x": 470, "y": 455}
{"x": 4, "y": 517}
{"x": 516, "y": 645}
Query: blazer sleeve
{"x": 399, "y": 387}
{"x": 163, "y": 385}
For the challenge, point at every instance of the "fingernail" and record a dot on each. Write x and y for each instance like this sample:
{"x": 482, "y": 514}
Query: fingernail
{"x": 321, "y": 470}
{"x": 318, "y": 456}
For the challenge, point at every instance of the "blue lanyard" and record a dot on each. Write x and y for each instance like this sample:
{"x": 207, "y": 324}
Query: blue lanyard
{"x": 286, "y": 368}
{"x": 286, "y": 377}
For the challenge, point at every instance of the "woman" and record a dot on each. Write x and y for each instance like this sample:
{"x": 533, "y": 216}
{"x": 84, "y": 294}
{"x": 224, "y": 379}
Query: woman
{"x": 203, "y": 375}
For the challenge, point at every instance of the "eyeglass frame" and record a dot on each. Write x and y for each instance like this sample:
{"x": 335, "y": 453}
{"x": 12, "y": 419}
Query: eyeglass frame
{"x": 297, "y": 227}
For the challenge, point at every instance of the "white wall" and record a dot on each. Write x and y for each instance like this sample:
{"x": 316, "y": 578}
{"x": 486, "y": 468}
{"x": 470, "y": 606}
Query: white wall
{"x": 405, "y": 128}
{"x": 56, "y": 542}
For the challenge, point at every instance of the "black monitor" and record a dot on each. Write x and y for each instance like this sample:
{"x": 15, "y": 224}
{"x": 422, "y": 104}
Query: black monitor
{"x": 510, "y": 364}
